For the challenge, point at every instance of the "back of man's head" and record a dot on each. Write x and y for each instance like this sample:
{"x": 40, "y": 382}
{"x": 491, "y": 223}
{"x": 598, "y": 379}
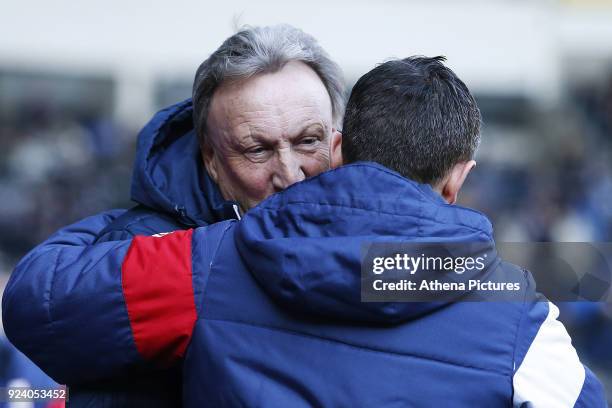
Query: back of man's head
{"x": 414, "y": 116}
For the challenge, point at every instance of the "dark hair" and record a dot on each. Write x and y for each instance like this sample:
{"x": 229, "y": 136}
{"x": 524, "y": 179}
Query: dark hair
{"x": 414, "y": 116}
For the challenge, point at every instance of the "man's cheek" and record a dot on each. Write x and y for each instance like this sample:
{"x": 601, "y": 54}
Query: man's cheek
{"x": 258, "y": 194}
{"x": 247, "y": 172}
{"x": 257, "y": 184}
{"x": 318, "y": 163}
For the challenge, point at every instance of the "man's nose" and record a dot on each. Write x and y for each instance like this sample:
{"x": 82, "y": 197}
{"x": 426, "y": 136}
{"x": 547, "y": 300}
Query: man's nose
{"x": 288, "y": 170}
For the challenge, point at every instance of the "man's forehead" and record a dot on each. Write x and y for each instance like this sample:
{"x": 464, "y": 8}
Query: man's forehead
{"x": 295, "y": 93}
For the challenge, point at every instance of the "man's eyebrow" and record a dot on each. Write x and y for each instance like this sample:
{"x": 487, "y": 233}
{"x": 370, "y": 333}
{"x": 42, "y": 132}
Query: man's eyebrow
{"x": 256, "y": 136}
{"x": 253, "y": 133}
{"x": 312, "y": 128}
{"x": 259, "y": 135}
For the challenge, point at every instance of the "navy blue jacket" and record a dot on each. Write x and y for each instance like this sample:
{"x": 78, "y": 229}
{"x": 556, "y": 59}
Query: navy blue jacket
{"x": 169, "y": 181}
{"x": 173, "y": 191}
{"x": 266, "y": 311}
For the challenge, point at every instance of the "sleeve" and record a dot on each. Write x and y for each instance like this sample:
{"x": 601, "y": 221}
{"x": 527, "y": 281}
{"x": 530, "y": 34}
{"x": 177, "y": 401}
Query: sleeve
{"x": 547, "y": 370}
{"x": 85, "y": 312}
{"x": 139, "y": 220}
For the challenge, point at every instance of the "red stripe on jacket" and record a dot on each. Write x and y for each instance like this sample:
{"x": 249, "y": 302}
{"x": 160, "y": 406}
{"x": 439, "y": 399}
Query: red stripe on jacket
{"x": 158, "y": 290}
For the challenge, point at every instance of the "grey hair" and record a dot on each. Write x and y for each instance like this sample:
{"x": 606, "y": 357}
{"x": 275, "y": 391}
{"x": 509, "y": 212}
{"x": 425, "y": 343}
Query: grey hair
{"x": 256, "y": 50}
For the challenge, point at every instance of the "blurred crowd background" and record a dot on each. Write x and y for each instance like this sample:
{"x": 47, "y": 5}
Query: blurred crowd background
{"x": 78, "y": 81}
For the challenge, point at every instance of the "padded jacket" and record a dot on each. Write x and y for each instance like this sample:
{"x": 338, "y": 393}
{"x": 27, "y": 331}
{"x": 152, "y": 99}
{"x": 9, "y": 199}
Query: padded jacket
{"x": 267, "y": 311}
{"x": 173, "y": 191}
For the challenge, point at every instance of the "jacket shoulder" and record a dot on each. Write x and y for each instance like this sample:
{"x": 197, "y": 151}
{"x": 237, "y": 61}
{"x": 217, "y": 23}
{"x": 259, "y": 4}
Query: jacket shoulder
{"x": 139, "y": 220}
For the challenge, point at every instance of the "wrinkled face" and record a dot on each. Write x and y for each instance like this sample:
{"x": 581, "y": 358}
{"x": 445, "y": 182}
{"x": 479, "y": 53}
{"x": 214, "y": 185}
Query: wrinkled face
{"x": 268, "y": 132}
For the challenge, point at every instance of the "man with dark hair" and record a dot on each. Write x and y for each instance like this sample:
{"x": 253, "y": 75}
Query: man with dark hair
{"x": 433, "y": 132}
{"x": 266, "y": 311}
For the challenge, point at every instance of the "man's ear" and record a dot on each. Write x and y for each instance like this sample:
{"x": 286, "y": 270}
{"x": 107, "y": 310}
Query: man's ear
{"x": 210, "y": 163}
{"x": 454, "y": 180}
{"x": 336, "y": 149}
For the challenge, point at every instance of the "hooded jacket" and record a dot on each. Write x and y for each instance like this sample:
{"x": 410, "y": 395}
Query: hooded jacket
{"x": 267, "y": 311}
{"x": 169, "y": 181}
{"x": 173, "y": 191}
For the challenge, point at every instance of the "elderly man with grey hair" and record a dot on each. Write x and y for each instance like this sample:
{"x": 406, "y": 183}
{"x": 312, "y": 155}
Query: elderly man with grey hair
{"x": 265, "y": 114}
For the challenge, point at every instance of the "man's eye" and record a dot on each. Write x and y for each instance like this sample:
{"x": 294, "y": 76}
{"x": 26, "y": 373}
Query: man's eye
{"x": 309, "y": 141}
{"x": 256, "y": 150}
{"x": 257, "y": 153}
